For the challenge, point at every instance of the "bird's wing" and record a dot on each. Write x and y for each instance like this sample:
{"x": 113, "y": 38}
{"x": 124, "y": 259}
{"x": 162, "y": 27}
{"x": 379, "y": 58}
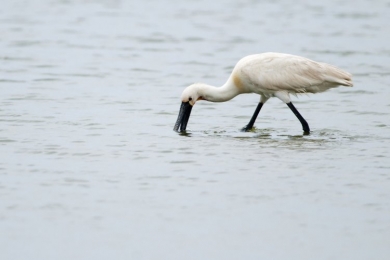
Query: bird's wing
{"x": 293, "y": 73}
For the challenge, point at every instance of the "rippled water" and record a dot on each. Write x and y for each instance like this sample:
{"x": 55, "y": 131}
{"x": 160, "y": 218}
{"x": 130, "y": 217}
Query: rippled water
{"x": 91, "y": 169}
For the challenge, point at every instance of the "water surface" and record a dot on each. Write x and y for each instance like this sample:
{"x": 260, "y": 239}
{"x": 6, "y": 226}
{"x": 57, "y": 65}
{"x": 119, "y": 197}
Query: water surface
{"x": 91, "y": 169}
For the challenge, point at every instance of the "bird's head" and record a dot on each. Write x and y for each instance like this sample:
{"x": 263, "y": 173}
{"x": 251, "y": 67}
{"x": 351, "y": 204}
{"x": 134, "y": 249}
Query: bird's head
{"x": 190, "y": 95}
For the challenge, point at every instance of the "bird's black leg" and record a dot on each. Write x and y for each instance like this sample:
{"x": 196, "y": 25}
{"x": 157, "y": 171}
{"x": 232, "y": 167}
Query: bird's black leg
{"x": 305, "y": 125}
{"x": 253, "y": 119}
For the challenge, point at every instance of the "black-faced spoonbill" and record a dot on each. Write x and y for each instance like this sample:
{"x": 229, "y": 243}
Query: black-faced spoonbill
{"x": 269, "y": 75}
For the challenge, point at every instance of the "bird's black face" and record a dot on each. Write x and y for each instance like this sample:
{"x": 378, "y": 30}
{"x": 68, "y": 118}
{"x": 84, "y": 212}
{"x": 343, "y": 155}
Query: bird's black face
{"x": 184, "y": 116}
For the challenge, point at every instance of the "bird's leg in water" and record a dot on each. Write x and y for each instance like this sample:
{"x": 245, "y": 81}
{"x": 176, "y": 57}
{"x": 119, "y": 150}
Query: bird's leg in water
{"x": 253, "y": 119}
{"x": 305, "y": 125}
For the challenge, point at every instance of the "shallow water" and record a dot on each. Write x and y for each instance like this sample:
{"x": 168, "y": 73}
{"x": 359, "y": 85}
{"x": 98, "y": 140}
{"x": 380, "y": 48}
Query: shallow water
{"x": 91, "y": 169}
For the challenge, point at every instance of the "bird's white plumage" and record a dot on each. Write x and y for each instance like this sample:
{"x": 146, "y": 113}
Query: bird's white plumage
{"x": 272, "y": 74}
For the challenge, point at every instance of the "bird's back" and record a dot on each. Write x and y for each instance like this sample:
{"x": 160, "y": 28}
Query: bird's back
{"x": 269, "y": 72}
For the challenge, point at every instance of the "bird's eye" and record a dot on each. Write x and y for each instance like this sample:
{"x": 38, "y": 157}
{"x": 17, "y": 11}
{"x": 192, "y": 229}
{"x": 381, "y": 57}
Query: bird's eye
{"x": 190, "y": 99}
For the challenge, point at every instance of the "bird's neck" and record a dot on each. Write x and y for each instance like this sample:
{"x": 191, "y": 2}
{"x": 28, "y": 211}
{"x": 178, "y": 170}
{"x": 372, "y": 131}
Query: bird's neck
{"x": 219, "y": 94}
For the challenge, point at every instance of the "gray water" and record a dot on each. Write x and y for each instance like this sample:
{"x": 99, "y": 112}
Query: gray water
{"x": 91, "y": 169}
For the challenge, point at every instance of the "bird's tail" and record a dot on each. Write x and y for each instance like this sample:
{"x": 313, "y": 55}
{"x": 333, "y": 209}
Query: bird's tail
{"x": 338, "y": 76}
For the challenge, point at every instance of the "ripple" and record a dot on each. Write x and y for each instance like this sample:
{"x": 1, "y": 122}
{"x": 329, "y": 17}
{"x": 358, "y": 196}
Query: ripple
{"x": 25, "y": 43}
{"x": 4, "y": 140}
{"x": 12, "y": 58}
{"x": 183, "y": 162}
{"x": 47, "y": 79}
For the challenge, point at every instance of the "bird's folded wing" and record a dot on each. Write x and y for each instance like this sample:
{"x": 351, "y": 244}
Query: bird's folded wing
{"x": 294, "y": 74}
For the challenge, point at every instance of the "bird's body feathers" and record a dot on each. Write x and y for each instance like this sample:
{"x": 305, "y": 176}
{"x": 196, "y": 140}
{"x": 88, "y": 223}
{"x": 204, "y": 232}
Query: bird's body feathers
{"x": 269, "y": 72}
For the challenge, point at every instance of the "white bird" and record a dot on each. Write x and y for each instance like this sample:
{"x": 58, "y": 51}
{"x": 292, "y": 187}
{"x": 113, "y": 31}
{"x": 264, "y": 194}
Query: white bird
{"x": 269, "y": 75}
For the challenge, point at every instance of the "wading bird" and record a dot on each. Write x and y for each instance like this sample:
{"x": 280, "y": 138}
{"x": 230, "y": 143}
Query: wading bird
{"x": 269, "y": 75}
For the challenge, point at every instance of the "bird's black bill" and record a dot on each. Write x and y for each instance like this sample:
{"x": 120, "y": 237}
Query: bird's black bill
{"x": 184, "y": 116}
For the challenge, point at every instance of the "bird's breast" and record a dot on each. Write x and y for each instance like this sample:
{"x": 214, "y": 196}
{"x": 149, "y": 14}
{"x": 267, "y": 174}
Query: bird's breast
{"x": 238, "y": 81}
